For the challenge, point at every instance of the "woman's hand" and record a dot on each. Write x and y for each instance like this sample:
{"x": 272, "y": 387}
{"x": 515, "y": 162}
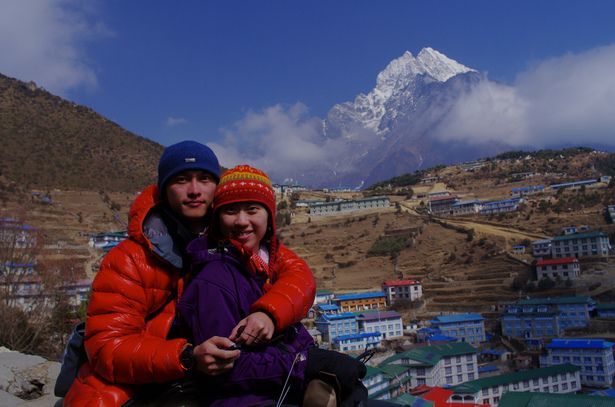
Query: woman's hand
{"x": 213, "y": 358}
{"x": 256, "y": 328}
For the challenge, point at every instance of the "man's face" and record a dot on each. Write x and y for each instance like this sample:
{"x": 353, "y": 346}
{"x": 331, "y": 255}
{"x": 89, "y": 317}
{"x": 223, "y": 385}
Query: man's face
{"x": 190, "y": 193}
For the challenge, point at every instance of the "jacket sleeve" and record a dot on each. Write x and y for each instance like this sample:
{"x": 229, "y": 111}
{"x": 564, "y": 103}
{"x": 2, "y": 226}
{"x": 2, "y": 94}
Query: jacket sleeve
{"x": 210, "y": 309}
{"x": 119, "y": 347}
{"x": 292, "y": 294}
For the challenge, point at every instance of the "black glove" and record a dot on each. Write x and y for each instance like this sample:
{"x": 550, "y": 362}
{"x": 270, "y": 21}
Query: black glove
{"x": 337, "y": 369}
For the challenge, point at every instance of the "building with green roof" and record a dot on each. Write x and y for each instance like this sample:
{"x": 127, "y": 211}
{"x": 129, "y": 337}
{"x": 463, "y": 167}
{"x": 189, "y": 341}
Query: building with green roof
{"x": 527, "y": 399}
{"x": 438, "y": 365}
{"x": 580, "y": 245}
{"x": 554, "y": 379}
{"x": 546, "y": 317}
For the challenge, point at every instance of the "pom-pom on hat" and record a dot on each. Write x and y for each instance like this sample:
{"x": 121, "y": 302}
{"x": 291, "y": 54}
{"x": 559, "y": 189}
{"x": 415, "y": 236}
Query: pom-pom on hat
{"x": 183, "y": 156}
{"x": 245, "y": 184}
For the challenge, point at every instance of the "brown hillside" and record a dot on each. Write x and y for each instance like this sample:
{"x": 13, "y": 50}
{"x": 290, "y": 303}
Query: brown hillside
{"x": 49, "y": 142}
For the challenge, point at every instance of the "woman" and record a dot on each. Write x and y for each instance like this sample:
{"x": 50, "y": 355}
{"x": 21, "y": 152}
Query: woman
{"x": 235, "y": 267}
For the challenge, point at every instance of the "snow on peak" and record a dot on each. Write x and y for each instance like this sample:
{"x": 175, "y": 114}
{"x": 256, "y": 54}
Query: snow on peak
{"x": 402, "y": 70}
{"x": 399, "y": 73}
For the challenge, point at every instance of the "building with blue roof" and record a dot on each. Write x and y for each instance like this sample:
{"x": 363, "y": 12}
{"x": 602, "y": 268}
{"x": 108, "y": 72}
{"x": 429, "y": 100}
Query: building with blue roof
{"x": 502, "y": 206}
{"x": 531, "y": 322}
{"x": 573, "y": 184}
{"x": 605, "y": 310}
{"x": 611, "y": 213}
{"x": 361, "y": 301}
{"x": 335, "y": 325}
{"x": 357, "y": 341}
{"x": 593, "y": 356}
{"x": 465, "y": 327}
{"x": 574, "y": 311}
{"x": 527, "y": 190}
{"x": 467, "y": 207}
{"x": 388, "y": 323}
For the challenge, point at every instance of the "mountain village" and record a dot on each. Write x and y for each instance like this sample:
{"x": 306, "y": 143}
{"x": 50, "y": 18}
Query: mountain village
{"x": 551, "y": 334}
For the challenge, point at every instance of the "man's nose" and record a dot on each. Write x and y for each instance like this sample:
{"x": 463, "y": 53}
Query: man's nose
{"x": 193, "y": 187}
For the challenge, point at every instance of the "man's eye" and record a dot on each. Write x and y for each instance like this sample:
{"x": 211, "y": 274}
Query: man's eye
{"x": 181, "y": 180}
{"x": 205, "y": 178}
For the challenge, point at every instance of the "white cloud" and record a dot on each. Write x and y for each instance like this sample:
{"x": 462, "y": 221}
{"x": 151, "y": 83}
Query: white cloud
{"x": 175, "y": 121}
{"x": 564, "y": 100}
{"x": 43, "y": 41}
{"x": 280, "y": 140}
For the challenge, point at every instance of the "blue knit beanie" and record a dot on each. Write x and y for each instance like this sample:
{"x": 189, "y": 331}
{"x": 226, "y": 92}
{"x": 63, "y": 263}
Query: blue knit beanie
{"x": 186, "y": 155}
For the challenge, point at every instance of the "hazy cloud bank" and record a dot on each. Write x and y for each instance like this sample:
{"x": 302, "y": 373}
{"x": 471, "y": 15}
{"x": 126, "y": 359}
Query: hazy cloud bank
{"x": 281, "y": 140}
{"x": 564, "y": 100}
{"x": 43, "y": 41}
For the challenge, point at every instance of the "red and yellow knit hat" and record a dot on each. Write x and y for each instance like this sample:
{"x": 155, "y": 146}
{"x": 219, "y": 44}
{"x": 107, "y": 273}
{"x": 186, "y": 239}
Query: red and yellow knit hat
{"x": 245, "y": 184}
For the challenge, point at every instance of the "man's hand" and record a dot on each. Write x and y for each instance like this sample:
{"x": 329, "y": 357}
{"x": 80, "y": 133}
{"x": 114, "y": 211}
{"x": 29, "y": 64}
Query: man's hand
{"x": 257, "y": 328}
{"x": 212, "y": 356}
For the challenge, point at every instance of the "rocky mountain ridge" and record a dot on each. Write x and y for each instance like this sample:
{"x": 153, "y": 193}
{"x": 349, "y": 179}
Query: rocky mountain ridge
{"x": 49, "y": 142}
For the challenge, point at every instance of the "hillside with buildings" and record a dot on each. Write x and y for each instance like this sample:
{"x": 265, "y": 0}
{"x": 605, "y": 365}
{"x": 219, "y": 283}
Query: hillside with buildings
{"x": 484, "y": 263}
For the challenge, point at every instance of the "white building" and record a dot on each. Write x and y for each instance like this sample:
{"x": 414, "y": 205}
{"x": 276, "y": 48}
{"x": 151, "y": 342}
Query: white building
{"x": 593, "y": 356}
{"x": 564, "y": 268}
{"x": 541, "y": 248}
{"x": 101, "y": 240}
{"x": 489, "y": 390}
{"x": 471, "y": 207}
{"x": 357, "y": 342}
{"x": 402, "y": 290}
{"x": 334, "y": 208}
{"x": 580, "y": 245}
{"x": 438, "y": 365}
{"x": 388, "y": 323}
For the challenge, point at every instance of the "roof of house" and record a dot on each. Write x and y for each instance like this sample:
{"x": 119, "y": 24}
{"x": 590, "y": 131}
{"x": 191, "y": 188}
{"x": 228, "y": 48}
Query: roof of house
{"x": 605, "y": 306}
{"x": 467, "y": 202}
{"x": 475, "y": 386}
{"x": 555, "y": 262}
{"x": 372, "y": 371}
{"x": 328, "y": 307}
{"x": 580, "y": 344}
{"x": 374, "y": 316}
{"x": 576, "y": 299}
{"x": 578, "y": 236}
{"x": 409, "y": 400}
{"x": 334, "y": 317}
{"x": 528, "y": 188}
{"x": 359, "y": 296}
{"x": 393, "y": 370}
{"x": 527, "y": 399}
{"x": 569, "y": 184}
{"x": 453, "y": 318}
{"x": 359, "y": 335}
{"x": 441, "y": 396}
{"x": 487, "y": 369}
{"x": 323, "y": 292}
{"x": 443, "y": 198}
{"x": 431, "y": 355}
{"x": 396, "y": 283}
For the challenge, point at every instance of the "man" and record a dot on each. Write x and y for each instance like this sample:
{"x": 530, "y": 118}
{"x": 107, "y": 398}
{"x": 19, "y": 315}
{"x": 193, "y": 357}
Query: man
{"x": 129, "y": 336}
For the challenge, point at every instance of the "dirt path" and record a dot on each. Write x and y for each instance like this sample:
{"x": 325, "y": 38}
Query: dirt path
{"x": 509, "y": 234}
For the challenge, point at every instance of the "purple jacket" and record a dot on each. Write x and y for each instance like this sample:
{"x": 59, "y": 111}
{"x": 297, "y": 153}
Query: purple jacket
{"x": 216, "y": 299}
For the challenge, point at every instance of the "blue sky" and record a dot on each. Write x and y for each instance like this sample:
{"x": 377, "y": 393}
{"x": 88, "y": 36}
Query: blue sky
{"x": 195, "y": 69}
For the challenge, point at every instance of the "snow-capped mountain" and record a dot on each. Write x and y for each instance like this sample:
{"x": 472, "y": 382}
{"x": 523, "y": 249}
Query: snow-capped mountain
{"x": 391, "y": 129}
{"x": 394, "y": 86}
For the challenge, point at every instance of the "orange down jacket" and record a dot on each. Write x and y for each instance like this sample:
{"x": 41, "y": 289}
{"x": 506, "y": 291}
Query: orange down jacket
{"x": 132, "y": 307}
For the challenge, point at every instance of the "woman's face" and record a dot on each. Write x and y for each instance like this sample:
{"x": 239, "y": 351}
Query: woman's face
{"x": 245, "y": 222}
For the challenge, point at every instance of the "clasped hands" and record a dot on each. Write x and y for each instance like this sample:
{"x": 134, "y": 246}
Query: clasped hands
{"x": 217, "y": 354}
